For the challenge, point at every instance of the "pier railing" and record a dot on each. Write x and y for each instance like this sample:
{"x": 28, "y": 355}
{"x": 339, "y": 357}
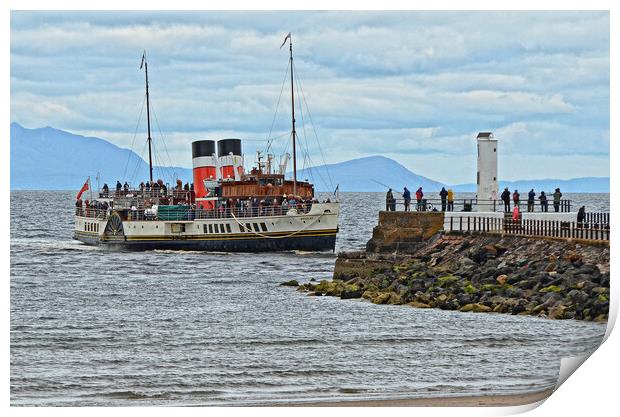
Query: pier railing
{"x": 471, "y": 204}
{"x": 533, "y": 227}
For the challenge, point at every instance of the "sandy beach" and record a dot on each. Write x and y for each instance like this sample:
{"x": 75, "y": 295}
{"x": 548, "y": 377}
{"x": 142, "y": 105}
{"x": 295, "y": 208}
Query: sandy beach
{"x": 466, "y": 401}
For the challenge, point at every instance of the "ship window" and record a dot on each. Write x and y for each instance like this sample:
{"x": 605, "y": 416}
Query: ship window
{"x": 228, "y": 229}
{"x": 248, "y": 227}
{"x": 263, "y": 226}
{"x": 256, "y": 229}
{"x": 216, "y": 228}
{"x": 210, "y": 228}
{"x": 204, "y": 228}
{"x": 241, "y": 228}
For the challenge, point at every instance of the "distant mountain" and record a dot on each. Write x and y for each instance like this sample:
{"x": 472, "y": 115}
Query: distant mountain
{"x": 366, "y": 174}
{"x": 52, "y": 159}
{"x": 574, "y": 185}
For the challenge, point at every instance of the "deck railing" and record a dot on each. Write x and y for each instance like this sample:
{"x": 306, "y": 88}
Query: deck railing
{"x": 192, "y": 213}
{"x": 532, "y": 227}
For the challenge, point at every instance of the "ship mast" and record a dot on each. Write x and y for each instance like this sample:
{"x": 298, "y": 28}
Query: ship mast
{"x": 148, "y": 113}
{"x": 290, "y": 40}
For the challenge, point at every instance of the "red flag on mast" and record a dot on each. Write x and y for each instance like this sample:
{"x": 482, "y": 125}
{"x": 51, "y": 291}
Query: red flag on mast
{"x": 84, "y": 188}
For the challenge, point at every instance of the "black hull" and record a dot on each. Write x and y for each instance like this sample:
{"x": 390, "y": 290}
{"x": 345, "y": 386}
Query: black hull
{"x": 302, "y": 243}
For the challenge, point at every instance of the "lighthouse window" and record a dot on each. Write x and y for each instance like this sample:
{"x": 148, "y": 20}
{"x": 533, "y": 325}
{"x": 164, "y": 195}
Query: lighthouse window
{"x": 228, "y": 228}
{"x": 263, "y": 226}
{"x": 494, "y": 150}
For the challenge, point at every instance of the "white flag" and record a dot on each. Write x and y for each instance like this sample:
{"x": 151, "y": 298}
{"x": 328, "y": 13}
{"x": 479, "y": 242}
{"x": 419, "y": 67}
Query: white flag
{"x": 287, "y": 37}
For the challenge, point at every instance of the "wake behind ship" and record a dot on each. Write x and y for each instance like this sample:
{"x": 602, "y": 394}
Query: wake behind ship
{"x": 225, "y": 209}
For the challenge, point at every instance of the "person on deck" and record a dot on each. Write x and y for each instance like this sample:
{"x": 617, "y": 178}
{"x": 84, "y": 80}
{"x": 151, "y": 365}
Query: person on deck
{"x": 450, "y": 199}
{"x": 119, "y": 187}
{"x": 531, "y": 196}
{"x": 443, "y": 194}
{"x": 544, "y": 205}
{"x": 515, "y": 198}
{"x": 389, "y": 200}
{"x": 506, "y": 199}
{"x": 557, "y": 196}
{"x": 106, "y": 190}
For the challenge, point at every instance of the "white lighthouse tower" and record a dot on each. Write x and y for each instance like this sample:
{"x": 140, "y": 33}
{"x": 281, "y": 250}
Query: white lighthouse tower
{"x": 487, "y": 171}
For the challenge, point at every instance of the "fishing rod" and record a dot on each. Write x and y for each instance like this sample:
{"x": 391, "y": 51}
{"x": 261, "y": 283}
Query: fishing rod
{"x": 386, "y": 186}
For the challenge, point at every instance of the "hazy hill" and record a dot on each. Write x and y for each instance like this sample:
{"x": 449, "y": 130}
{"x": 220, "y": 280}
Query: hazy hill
{"x": 52, "y": 159}
{"x": 365, "y": 174}
{"x": 575, "y": 185}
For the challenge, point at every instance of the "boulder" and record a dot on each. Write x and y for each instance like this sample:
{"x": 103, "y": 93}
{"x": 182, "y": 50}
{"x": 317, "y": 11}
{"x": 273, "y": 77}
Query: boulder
{"x": 551, "y": 288}
{"x": 501, "y": 279}
{"x": 291, "y": 283}
{"x": 476, "y": 308}
{"x": 417, "y": 304}
{"x": 381, "y": 298}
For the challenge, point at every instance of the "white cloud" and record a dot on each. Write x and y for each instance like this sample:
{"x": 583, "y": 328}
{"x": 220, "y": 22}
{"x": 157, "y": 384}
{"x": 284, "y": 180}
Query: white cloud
{"x": 414, "y": 85}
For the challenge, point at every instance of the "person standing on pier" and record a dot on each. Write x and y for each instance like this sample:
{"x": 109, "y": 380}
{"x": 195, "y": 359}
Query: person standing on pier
{"x": 407, "y": 197}
{"x": 581, "y": 216}
{"x": 389, "y": 200}
{"x": 506, "y": 199}
{"x": 556, "y": 200}
{"x": 531, "y": 196}
{"x": 443, "y": 194}
{"x": 450, "y": 199}
{"x": 544, "y": 205}
{"x": 515, "y": 198}
{"x": 418, "y": 196}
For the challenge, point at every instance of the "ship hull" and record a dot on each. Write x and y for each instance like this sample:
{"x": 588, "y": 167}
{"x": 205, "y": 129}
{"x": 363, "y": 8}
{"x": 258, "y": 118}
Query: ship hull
{"x": 317, "y": 242}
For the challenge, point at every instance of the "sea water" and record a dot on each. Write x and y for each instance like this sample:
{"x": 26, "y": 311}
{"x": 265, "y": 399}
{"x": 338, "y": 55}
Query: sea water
{"x": 96, "y": 327}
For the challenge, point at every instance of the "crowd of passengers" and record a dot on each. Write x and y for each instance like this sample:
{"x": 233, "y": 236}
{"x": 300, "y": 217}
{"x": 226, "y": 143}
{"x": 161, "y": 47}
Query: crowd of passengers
{"x": 252, "y": 207}
{"x": 146, "y": 188}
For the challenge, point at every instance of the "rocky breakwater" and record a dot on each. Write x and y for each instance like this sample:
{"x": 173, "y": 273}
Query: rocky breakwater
{"x": 409, "y": 261}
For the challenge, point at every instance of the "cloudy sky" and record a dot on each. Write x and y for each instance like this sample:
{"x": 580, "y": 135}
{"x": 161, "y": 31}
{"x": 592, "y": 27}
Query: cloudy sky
{"x": 413, "y": 86}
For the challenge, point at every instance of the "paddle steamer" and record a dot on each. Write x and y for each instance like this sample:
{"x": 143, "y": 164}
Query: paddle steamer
{"x": 225, "y": 209}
